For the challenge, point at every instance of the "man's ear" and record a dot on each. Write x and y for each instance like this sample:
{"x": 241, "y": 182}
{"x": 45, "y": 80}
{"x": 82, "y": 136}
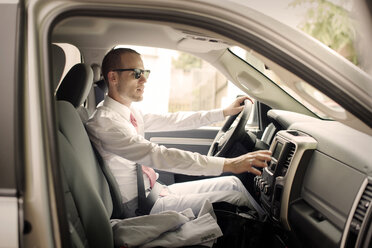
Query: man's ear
{"x": 112, "y": 78}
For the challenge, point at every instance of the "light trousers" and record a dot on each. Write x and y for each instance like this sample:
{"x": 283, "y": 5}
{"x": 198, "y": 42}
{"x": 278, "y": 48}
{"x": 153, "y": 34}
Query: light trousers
{"x": 193, "y": 195}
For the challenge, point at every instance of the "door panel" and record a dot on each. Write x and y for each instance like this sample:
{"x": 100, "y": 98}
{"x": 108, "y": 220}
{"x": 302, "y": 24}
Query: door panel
{"x": 196, "y": 140}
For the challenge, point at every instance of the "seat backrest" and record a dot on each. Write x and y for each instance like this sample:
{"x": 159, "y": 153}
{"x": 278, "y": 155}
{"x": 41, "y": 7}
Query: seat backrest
{"x": 119, "y": 211}
{"x": 85, "y": 179}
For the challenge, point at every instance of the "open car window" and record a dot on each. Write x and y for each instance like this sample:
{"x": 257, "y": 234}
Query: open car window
{"x": 182, "y": 82}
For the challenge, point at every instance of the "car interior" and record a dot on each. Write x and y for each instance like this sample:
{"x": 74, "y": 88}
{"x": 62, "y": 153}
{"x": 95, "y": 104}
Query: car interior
{"x": 317, "y": 188}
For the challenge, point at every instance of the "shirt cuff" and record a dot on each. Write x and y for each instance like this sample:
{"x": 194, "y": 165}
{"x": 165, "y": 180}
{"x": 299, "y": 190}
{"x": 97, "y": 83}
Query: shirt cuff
{"x": 216, "y": 165}
{"x": 217, "y": 115}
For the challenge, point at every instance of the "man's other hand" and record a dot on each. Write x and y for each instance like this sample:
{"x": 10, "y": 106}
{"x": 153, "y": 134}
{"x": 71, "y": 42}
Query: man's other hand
{"x": 248, "y": 162}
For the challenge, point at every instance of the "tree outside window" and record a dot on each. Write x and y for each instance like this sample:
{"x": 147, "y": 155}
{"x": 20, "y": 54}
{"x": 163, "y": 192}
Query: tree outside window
{"x": 330, "y": 23}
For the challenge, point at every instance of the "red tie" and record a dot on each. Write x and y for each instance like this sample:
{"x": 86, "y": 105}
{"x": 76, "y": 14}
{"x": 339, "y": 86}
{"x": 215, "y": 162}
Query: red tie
{"x": 133, "y": 121}
{"x": 147, "y": 170}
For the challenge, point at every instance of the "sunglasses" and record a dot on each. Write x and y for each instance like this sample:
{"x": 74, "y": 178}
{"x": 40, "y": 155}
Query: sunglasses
{"x": 137, "y": 72}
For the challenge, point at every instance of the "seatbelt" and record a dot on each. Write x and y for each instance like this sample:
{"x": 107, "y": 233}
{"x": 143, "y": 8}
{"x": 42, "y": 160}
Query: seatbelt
{"x": 145, "y": 204}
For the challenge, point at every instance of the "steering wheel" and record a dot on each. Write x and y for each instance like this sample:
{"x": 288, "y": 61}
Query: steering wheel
{"x": 232, "y": 133}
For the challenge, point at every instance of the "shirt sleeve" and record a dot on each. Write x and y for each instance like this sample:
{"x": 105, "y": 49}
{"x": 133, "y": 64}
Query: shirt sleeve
{"x": 181, "y": 120}
{"x": 121, "y": 141}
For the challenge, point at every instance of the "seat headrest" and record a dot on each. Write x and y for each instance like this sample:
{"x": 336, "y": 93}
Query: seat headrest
{"x": 58, "y": 62}
{"x": 76, "y": 85}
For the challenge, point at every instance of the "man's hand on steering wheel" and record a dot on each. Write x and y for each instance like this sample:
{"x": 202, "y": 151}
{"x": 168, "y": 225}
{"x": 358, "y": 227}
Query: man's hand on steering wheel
{"x": 233, "y": 131}
{"x": 236, "y": 107}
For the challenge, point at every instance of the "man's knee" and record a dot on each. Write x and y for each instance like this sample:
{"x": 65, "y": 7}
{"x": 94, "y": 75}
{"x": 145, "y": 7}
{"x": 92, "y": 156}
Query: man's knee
{"x": 237, "y": 185}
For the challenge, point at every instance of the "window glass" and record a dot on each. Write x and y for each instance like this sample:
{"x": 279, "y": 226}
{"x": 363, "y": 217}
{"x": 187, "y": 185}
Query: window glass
{"x": 182, "y": 82}
{"x": 284, "y": 82}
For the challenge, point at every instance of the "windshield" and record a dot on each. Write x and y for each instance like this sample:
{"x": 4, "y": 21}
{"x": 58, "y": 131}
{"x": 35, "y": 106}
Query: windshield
{"x": 291, "y": 84}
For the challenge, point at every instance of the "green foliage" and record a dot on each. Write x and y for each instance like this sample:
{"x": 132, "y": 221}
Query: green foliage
{"x": 186, "y": 62}
{"x": 330, "y": 24}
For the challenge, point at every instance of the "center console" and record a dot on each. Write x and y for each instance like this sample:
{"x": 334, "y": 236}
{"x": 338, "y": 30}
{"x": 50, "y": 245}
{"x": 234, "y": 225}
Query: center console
{"x": 280, "y": 181}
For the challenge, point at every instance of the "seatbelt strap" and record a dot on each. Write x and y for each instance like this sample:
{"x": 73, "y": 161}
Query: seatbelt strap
{"x": 145, "y": 204}
{"x": 141, "y": 191}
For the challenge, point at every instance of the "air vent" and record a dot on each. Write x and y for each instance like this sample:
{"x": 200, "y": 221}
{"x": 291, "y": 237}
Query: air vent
{"x": 286, "y": 161}
{"x": 359, "y": 215}
{"x": 291, "y": 152}
{"x": 360, "y": 212}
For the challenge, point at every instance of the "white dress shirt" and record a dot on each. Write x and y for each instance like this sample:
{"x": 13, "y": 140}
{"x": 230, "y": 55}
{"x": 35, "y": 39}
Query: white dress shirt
{"x": 121, "y": 146}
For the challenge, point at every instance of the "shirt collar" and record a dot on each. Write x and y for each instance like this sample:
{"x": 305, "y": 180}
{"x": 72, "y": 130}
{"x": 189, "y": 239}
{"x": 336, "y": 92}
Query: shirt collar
{"x": 121, "y": 109}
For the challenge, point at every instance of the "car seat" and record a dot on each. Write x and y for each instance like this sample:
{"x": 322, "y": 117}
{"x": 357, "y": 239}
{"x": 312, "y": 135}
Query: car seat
{"x": 74, "y": 89}
{"x": 87, "y": 194}
{"x": 86, "y": 183}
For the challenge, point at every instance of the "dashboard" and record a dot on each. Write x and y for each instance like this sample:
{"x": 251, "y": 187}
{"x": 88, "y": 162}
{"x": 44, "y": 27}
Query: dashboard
{"x": 318, "y": 185}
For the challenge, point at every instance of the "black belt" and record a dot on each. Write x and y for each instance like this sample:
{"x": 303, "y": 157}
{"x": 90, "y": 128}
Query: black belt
{"x": 145, "y": 204}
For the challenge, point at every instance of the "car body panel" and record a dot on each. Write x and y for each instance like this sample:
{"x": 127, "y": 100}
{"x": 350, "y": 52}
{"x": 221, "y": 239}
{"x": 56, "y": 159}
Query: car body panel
{"x": 11, "y": 171}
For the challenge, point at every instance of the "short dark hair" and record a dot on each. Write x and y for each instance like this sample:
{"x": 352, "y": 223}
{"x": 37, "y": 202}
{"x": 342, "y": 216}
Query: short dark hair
{"x": 112, "y": 60}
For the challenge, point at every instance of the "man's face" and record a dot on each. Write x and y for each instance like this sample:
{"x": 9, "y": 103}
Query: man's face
{"x": 128, "y": 88}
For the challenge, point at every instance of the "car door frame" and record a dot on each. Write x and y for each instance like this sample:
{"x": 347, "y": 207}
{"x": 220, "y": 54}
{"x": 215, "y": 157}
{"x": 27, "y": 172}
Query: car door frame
{"x": 11, "y": 161}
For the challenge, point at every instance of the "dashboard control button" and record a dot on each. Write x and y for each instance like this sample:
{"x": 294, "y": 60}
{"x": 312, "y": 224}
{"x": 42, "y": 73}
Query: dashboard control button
{"x": 256, "y": 183}
{"x": 263, "y": 183}
{"x": 267, "y": 190}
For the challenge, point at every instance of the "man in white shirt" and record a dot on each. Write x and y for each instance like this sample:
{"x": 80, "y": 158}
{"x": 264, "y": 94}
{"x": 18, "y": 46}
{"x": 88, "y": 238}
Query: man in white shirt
{"x": 117, "y": 131}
